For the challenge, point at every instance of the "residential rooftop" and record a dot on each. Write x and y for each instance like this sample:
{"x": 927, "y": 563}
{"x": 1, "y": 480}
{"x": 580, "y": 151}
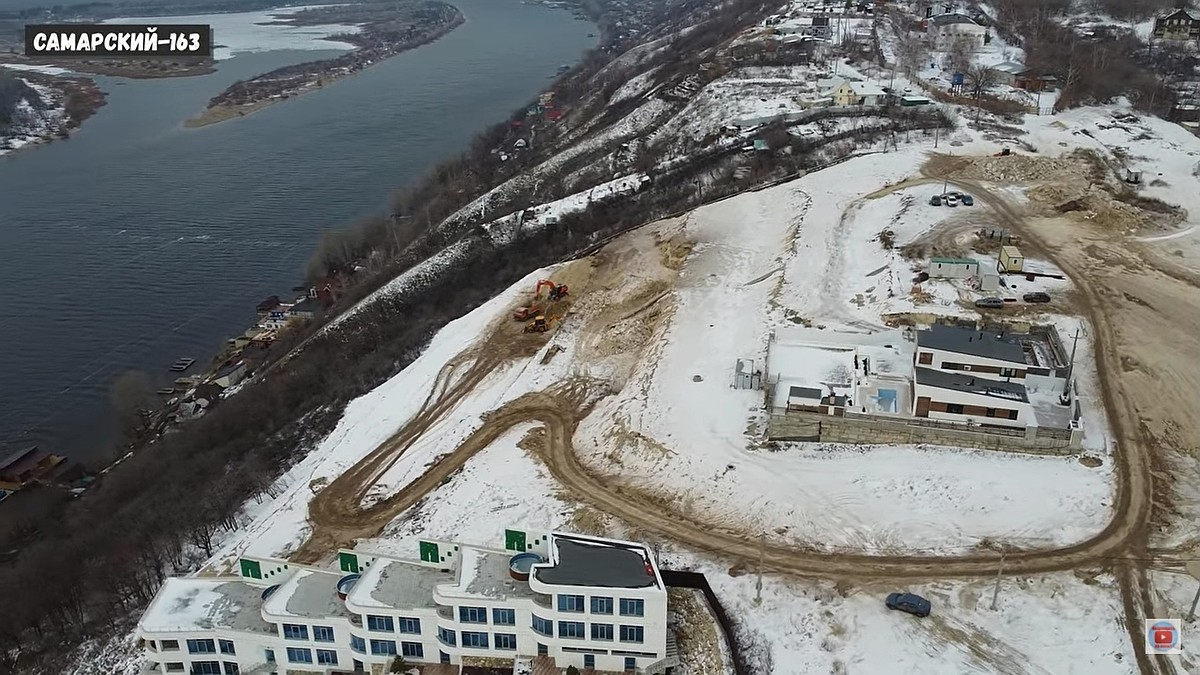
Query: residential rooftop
{"x": 969, "y": 384}
{"x": 399, "y": 585}
{"x": 947, "y": 19}
{"x": 191, "y": 604}
{"x": 489, "y": 577}
{"x": 580, "y": 561}
{"x": 307, "y": 594}
{"x": 965, "y": 340}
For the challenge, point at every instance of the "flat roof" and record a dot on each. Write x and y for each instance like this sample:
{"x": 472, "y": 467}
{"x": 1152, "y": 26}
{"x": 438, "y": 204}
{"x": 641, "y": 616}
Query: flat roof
{"x": 307, "y": 594}
{"x": 954, "y": 261}
{"x": 190, "y": 604}
{"x": 969, "y": 384}
{"x": 964, "y": 340}
{"x": 598, "y": 563}
{"x": 805, "y": 392}
{"x": 398, "y": 584}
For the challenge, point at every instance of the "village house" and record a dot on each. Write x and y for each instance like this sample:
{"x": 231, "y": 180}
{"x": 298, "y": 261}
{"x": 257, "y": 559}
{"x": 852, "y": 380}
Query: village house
{"x": 843, "y": 92}
{"x": 949, "y": 30}
{"x": 1009, "y": 72}
{"x": 230, "y": 375}
{"x": 547, "y": 599}
{"x": 1181, "y": 24}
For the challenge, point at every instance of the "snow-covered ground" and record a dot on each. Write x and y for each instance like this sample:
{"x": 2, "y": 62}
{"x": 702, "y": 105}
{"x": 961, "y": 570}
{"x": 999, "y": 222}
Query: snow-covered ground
{"x": 34, "y": 123}
{"x": 249, "y": 32}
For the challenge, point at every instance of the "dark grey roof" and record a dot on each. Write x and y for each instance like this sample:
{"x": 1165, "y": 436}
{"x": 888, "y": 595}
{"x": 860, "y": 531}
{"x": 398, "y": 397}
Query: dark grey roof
{"x": 947, "y": 19}
{"x": 963, "y": 340}
{"x": 970, "y": 384}
{"x": 805, "y": 392}
{"x": 307, "y": 305}
{"x": 230, "y": 369}
{"x": 584, "y": 563}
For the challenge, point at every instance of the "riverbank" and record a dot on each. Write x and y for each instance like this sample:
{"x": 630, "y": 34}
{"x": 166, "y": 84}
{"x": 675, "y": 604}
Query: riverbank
{"x": 385, "y": 32}
{"x": 68, "y": 101}
{"x": 134, "y": 70}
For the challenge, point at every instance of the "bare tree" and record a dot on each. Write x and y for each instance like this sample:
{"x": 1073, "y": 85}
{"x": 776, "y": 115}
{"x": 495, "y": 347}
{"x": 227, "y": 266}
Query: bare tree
{"x": 980, "y": 79}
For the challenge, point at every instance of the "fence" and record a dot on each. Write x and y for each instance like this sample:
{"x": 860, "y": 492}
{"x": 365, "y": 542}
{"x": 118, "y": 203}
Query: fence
{"x": 867, "y": 429}
{"x": 696, "y": 580}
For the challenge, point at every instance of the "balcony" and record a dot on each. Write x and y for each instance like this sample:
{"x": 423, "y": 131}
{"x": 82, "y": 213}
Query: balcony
{"x": 446, "y": 613}
{"x": 544, "y": 601}
{"x": 356, "y": 620}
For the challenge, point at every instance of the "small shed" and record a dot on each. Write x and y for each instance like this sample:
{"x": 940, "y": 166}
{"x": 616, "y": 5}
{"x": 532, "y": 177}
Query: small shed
{"x": 1010, "y": 260}
{"x": 952, "y": 268}
{"x": 989, "y": 281}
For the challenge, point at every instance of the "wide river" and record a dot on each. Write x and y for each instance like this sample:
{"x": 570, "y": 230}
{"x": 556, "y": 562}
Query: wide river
{"x": 138, "y": 241}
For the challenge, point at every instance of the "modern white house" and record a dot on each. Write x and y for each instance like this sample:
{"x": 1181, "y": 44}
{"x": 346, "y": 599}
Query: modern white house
{"x": 961, "y": 349}
{"x": 955, "y": 397}
{"x": 949, "y": 30}
{"x": 563, "y": 598}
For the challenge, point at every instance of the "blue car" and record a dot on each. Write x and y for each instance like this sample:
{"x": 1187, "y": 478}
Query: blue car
{"x": 909, "y": 602}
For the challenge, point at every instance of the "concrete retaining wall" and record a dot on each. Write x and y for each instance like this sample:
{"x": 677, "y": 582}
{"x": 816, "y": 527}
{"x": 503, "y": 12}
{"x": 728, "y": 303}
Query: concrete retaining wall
{"x": 804, "y": 426}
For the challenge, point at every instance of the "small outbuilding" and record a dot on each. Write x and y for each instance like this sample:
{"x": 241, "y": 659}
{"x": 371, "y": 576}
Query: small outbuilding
{"x": 1010, "y": 260}
{"x": 989, "y": 281}
{"x": 953, "y": 268}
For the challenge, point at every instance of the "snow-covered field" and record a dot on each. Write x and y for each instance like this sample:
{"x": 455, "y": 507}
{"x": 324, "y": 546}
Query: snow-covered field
{"x": 248, "y": 32}
{"x": 31, "y": 124}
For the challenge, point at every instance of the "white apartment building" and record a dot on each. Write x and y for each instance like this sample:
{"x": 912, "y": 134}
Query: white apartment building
{"x": 951, "y": 29}
{"x": 577, "y": 600}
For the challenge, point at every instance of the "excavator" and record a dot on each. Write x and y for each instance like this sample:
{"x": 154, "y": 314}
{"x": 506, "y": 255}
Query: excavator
{"x": 557, "y": 292}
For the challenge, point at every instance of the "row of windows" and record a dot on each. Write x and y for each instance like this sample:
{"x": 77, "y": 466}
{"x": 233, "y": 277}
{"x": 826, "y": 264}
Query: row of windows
{"x": 325, "y": 657}
{"x": 500, "y": 616}
{"x": 293, "y": 631}
{"x": 203, "y": 646}
{"x": 602, "y": 605}
{"x": 576, "y": 630}
{"x": 506, "y": 641}
{"x": 385, "y": 624}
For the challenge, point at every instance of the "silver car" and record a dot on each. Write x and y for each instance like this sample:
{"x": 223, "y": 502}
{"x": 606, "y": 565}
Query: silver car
{"x": 989, "y": 303}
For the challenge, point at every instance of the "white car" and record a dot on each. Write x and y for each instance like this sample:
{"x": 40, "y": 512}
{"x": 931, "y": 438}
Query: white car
{"x": 950, "y": 200}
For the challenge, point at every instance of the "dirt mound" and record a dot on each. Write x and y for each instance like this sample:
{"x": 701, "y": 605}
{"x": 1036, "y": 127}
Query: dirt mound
{"x": 1022, "y": 169}
{"x": 1098, "y": 204}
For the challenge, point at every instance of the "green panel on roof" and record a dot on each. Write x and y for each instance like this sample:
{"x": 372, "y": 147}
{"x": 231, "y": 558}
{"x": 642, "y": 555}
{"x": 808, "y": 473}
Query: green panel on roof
{"x": 348, "y": 562}
{"x": 514, "y": 540}
{"x": 251, "y": 569}
{"x": 429, "y": 552}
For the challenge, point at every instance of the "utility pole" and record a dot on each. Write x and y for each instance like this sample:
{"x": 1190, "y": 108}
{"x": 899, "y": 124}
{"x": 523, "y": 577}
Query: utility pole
{"x": 996, "y": 590}
{"x": 762, "y": 547}
{"x": 1193, "y": 568}
{"x": 1065, "y": 398}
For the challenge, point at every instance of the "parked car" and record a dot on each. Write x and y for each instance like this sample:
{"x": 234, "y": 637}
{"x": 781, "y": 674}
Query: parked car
{"x": 935, "y": 200}
{"x": 968, "y": 200}
{"x": 1037, "y": 297}
{"x": 909, "y": 602}
{"x": 989, "y": 303}
{"x": 951, "y": 200}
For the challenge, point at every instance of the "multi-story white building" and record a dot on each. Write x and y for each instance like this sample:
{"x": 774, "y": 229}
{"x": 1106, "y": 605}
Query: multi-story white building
{"x": 950, "y": 30}
{"x": 583, "y": 601}
{"x": 993, "y": 356}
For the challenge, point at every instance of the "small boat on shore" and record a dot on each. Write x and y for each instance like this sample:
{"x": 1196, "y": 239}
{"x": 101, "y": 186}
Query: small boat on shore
{"x": 166, "y": 391}
{"x": 182, "y": 365}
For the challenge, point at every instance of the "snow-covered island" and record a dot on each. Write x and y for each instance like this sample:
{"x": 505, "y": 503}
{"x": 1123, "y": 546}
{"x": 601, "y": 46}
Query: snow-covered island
{"x": 39, "y": 104}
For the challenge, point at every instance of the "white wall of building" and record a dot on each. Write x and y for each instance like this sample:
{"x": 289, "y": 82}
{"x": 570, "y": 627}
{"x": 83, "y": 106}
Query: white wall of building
{"x": 1025, "y": 415}
{"x": 941, "y": 357}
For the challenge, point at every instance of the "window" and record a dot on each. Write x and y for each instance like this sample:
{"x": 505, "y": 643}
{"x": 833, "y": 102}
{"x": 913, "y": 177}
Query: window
{"x": 632, "y": 634}
{"x": 543, "y": 650}
{"x": 269, "y": 655}
{"x": 327, "y": 657}
{"x": 206, "y": 667}
{"x": 954, "y": 408}
{"x": 991, "y": 412}
{"x": 226, "y": 647}
{"x": 630, "y": 663}
{"x": 446, "y": 636}
{"x": 570, "y": 603}
{"x": 411, "y": 626}
{"x": 472, "y": 614}
{"x": 293, "y": 632}
{"x": 570, "y": 629}
{"x": 1012, "y": 414}
{"x": 505, "y": 641}
{"x": 358, "y": 644}
{"x": 543, "y": 626}
{"x": 602, "y": 631}
{"x": 299, "y": 655}
{"x": 601, "y": 605}
{"x": 504, "y": 617}
{"x": 473, "y": 639}
{"x": 412, "y": 649}
{"x": 230, "y": 668}
{"x": 323, "y": 633}
{"x": 926, "y": 358}
{"x": 383, "y": 647}
{"x": 175, "y": 667}
{"x": 380, "y": 624}
{"x": 633, "y": 607}
{"x": 170, "y": 645}
{"x": 1008, "y": 372}
{"x": 589, "y": 661}
{"x": 201, "y": 647}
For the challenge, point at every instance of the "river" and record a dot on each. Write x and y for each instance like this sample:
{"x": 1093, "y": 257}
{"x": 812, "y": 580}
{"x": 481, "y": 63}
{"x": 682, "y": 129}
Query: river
{"x": 138, "y": 241}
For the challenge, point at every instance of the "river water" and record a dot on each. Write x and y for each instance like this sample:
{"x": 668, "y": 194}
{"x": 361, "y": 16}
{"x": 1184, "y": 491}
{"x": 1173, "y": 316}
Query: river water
{"x": 138, "y": 241}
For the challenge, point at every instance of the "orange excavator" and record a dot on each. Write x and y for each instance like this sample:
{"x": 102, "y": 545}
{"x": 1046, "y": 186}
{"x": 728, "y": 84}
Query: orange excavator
{"x": 557, "y": 292}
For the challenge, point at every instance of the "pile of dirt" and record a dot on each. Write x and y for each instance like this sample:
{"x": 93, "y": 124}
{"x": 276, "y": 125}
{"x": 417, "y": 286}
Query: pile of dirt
{"x": 1098, "y": 204}
{"x": 1020, "y": 169}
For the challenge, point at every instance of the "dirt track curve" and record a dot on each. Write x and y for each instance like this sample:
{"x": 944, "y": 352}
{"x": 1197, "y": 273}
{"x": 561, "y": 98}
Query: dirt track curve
{"x": 338, "y": 518}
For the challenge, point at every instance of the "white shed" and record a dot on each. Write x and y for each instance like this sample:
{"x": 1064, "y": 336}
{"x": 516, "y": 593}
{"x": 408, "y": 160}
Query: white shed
{"x": 989, "y": 281}
{"x": 953, "y": 268}
{"x": 1010, "y": 260}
